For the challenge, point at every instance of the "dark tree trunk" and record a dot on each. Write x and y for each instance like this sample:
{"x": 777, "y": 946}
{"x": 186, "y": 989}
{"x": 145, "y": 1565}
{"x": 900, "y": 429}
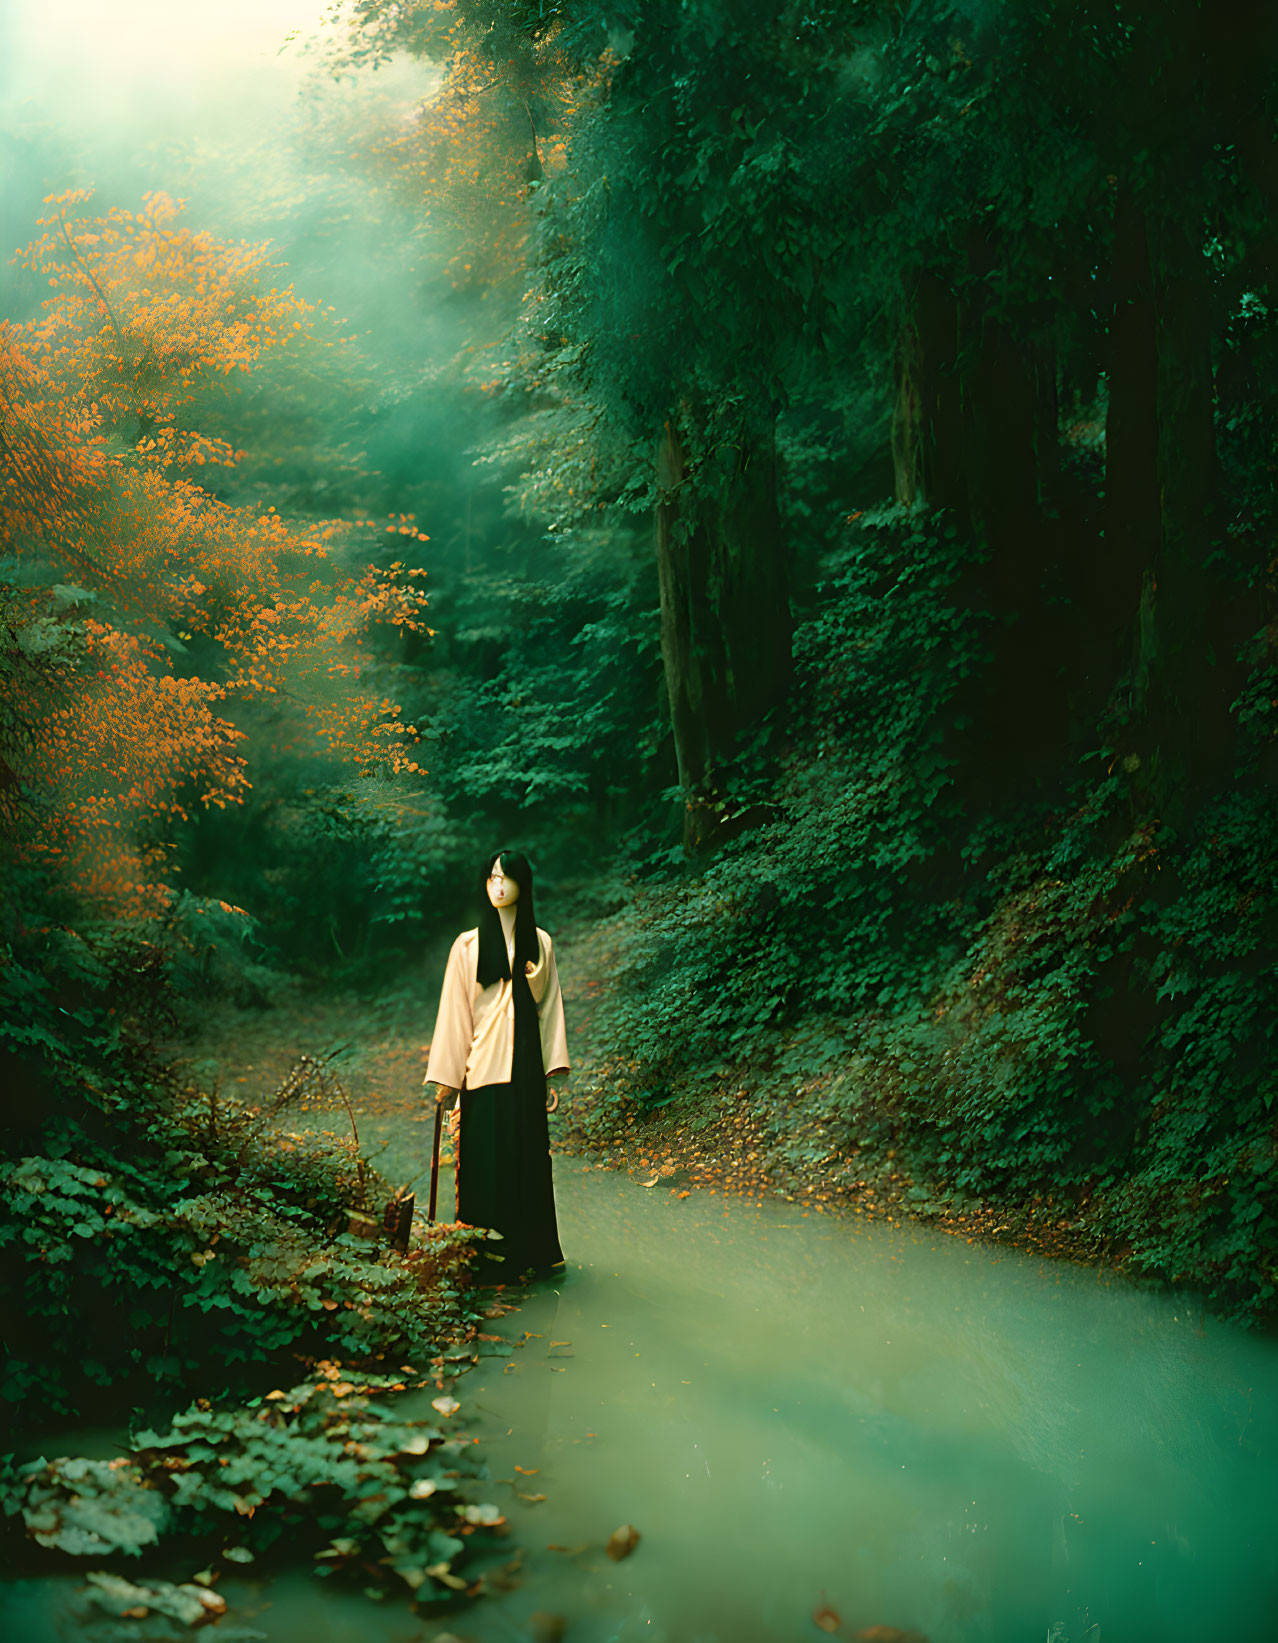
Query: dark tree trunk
{"x": 1133, "y": 512}
{"x": 907, "y": 412}
{"x": 725, "y": 610}
{"x": 1006, "y": 397}
{"x": 1047, "y": 417}
{"x": 1181, "y": 687}
{"x": 975, "y": 431}
{"x": 928, "y": 421}
{"x": 1000, "y": 406}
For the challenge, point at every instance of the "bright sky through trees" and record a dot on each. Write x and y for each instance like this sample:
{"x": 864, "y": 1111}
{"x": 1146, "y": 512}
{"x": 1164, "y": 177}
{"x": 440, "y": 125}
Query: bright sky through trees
{"x": 160, "y": 69}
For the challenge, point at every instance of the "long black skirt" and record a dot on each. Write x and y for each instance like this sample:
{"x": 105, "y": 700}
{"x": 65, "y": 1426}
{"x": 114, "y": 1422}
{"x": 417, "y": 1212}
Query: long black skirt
{"x": 503, "y": 1165}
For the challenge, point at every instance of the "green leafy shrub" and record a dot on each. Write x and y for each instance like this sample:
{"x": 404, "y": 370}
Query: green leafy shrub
{"x": 334, "y": 1465}
{"x": 808, "y": 911}
{"x": 150, "y": 1228}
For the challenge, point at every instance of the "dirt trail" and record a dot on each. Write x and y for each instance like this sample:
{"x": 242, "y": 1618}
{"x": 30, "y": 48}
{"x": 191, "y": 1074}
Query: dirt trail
{"x": 734, "y": 1139}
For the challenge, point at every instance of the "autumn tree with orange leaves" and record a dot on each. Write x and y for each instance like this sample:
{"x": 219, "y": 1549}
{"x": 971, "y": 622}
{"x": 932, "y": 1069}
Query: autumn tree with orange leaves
{"x": 170, "y": 648}
{"x": 145, "y": 618}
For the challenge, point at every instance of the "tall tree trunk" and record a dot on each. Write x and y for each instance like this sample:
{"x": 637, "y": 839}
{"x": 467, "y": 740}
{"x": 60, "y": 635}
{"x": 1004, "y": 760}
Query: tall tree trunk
{"x": 1000, "y": 406}
{"x": 1015, "y": 726}
{"x": 1120, "y": 584}
{"x": 1047, "y": 417}
{"x": 974, "y": 431}
{"x": 907, "y": 411}
{"x": 927, "y": 422}
{"x": 725, "y": 610}
{"x": 1184, "y": 731}
{"x": 1181, "y": 685}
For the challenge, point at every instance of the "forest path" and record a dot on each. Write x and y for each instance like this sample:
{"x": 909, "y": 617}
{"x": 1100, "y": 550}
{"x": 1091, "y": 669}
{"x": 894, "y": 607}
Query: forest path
{"x": 379, "y": 1040}
{"x": 754, "y": 1142}
{"x": 382, "y": 1037}
{"x": 793, "y": 1408}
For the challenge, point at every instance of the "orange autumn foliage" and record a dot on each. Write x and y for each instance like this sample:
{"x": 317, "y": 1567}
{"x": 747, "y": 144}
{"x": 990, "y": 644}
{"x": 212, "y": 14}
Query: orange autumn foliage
{"x": 146, "y": 313}
{"x": 116, "y": 723}
{"x": 126, "y": 744}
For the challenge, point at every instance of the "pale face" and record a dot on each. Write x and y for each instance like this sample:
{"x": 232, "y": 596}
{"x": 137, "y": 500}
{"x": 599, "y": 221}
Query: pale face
{"x": 502, "y": 892}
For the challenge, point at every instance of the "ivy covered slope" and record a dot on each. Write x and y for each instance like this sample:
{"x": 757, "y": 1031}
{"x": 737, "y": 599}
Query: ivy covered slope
{"x": 1059, "y": 1000}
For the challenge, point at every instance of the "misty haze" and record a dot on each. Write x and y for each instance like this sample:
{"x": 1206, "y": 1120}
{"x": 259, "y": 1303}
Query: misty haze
{"x": 638, "y": 729}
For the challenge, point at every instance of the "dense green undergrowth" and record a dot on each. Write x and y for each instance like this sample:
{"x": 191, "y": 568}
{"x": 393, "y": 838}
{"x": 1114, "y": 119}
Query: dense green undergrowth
{"x": 160, "y": 1241}
{"x": 189, "y": 1236}
{"x": 1055, "y": 997}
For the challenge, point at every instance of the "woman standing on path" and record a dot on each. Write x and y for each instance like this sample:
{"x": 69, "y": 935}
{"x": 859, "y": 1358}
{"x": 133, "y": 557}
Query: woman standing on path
{"x": 499, "y": 1033}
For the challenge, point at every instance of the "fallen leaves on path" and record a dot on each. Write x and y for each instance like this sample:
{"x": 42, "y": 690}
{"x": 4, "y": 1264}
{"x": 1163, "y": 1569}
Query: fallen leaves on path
{"x": 828, "y": 1619}
{"x": 747, "y": 1138}
{"x": 621, "y": 1542}
{"x": 741, "y": 1139}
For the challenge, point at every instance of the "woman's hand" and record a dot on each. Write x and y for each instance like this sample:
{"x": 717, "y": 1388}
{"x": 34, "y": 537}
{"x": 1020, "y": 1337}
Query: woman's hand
{"x": 529, "y": 967}
{"x": 445, "y": 1096}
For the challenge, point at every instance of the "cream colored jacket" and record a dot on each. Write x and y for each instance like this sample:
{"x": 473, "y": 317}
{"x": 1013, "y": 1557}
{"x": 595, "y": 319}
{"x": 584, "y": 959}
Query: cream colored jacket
{"x": 474, "y": 1040}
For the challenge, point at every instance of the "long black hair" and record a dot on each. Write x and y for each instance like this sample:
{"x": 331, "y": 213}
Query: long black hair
{"x": 493, "y": 964}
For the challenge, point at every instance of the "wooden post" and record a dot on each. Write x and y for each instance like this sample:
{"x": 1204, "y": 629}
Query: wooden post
{"x": 397, "y": 1222}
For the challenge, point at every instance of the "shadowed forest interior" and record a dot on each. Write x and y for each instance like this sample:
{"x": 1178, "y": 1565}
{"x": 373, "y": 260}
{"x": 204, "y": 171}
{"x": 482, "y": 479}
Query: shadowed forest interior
{"x": 804, "y": 474}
